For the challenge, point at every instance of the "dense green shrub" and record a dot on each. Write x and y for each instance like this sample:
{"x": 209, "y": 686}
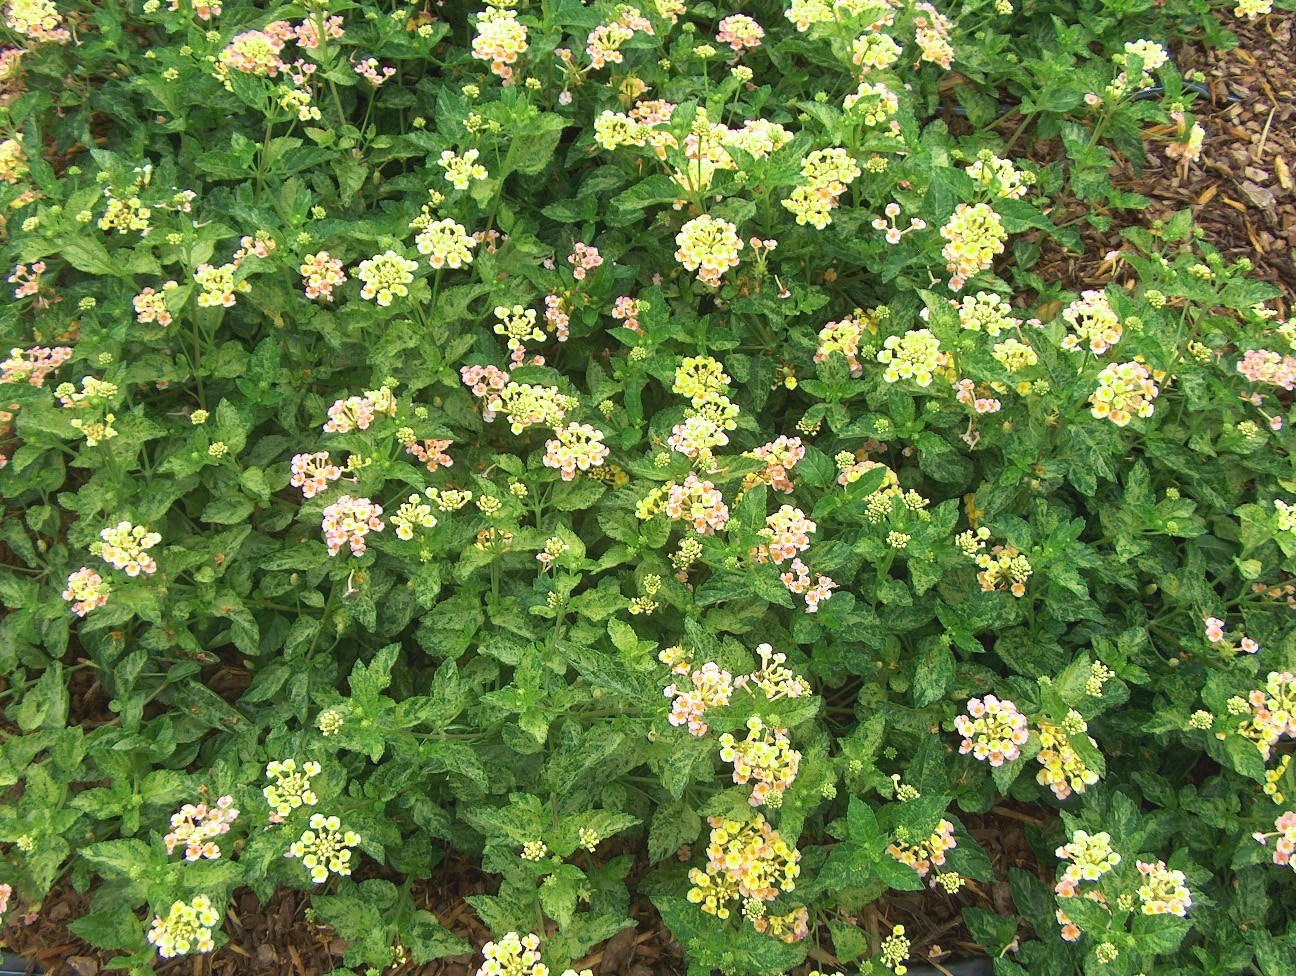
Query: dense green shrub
{"x": 575, "y": 433}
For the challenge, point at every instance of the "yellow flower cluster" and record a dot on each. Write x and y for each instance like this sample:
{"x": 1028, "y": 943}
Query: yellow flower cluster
{"x": 531, "y": 406}
{"x": 744, "y": 860}
{"x": 873, "y": 103}
{"x": 1000, "y": 175}
{"x": 324, "y": 848}
{"x": 765, "y": 756}
{"x": 386, "y": 276}
{"x": 413, "y": 513}
{"x": 709, "y": 246}
{"x": 975, "y": 236}
{"x": 1064, "y": 771}
{"x": 446, "y": 243}
{"x": 916, "y": 356}
{"x": 700, "y": 378}
{"x": 1015, "y": 355}
{"x": 575, "y": 447}
{"x": 13, "y": 164}
{"x": 187, "y": 926}
{"x": 926, "y": 853}
{"x": 1125, "y": 391}
{"x": 513, "y": 956}
{"x": 126, "y": 547}
{"x": 874, "y": 52}
{"x": 827, "y": 173}
{"x": 1093, "y": 324}
{"x": 290, "y": 789}
{"x": 985, "y": 312}
{"x": 462, "y": 170}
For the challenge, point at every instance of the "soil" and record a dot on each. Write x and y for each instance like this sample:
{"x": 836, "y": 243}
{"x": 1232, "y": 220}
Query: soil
{"x": 1242, "y": 193}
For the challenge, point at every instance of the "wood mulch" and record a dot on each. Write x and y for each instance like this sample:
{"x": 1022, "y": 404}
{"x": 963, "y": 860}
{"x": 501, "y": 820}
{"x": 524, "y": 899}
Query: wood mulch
{"x": 1242, "y": 192}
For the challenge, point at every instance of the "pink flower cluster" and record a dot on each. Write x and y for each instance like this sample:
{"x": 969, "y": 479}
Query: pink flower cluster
{"x": 150, "y": 305}
{"x": 928, "y": 853}
{"x": 321, "y": 273}
{"x": 1215, "y": 634}
{"x": 556, "y": 317}
{"x": 780, "y": 456}
{"x": 992, "y": 730}
{"x": 698, "y": 502}
{"x": 740, "y": 32}
{"x": 348, "y": 521}
{"x": 432, "y": 452}
{"x": 604, "y": 42}
{"x": 575, "y": 447}
{"x": 712, "y": 687}
{"x": 1266, "y": 366}
{"x": 797, "y": 580}
{"x": 965, "y": 392}
{"x": 195, "y": 826}
{"x": 86, "y": 590}
{"x": 28, "y": 281}
{"x": 626, "y": 310}
{"x": 33, "y": 365}
{"x": 369, "y": 70}
{"x": 1285, "y": 847}
{"x": 313, "y": 473}
{"x": 308, "y": 32}
{"x": 788, "y": 531}
{"x": 357, "y": 413}
{"x": 584, "y": 259}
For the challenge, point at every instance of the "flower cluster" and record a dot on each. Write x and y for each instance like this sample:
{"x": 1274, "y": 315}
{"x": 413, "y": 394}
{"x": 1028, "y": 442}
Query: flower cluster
{"x": 985, "y": 312}
{"x": 386, "y": 276}
{"x": 926, "y": 853}
{"x": 1000, "y": 175}
{"x": 798, "y": 580}
{"x": 1093, "y": 324}
{"x": 992, "y": 730}
{"x": 827, "y": 173}
{"x": 290, "y": 789}
{"x": 86, "y": 590}
{"x": 1089, "y": 857}
{"x": 413, "y": 513}
{"x": 1125, "y": 391}
{"x": 313, "y": 473}
{"x": 584, "y": 258}
{"x": 1163, "y": 891}
{"x": 845, "y": 337}
{"x": 196, "y": 825}
{"x": 358, "y": 412}
{"x": 975, "y": 235}
{"x": 780, "y": 456}
{"x": 446, "y": 243}
{"x": 431, "y": 452}
{"x": 529, "y": 406}
{"x": 744, "y": 861}
{"x": 1064, "y": 770}
{"x": 513, "y": 956}
{"x": 33, "y": 366}
{"x": 347, "y": 521}
{"x": 186, "y": 927}
{"x": 461, "y": 170}
{"x": 695, "y": 501}
{"x": 740, "y": 32}
{"x": 709, "y": 246}
{"x": 500, "y": 39}
{"x": 765, "y": 756}
{"x": 126, "y": 547}
{"x": 711, "y": 687}
{"x": 1285, "y": 847}
{"x": 324, "y": 848}
{"x": 916, "y": 356}
{"x": 150, "y": 305}
{"x": 38, "y": 19}
{"x": 321, "y": 273}
{"x": 575, "y": 447}
{"x": 788, "y": 531}
{"x": 1268, "y": 367}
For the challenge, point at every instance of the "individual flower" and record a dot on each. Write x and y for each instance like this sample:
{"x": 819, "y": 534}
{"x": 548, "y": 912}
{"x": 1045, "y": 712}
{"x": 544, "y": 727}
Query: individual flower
{"x": 347, "y": 521}
{"x": 386, "y": 276}
{"x": 187, "y": 927}
{"x": 197, "y": 825}
{"x": 992, "y": 730}
{"x": 709, "y": 246}
{"x": 1125, "y": 391}
{"x": 86, "y": 590}
{"x": 126, "y": 548}
{"x": 446, "y": 243}
{"x": 324, "y": 848}
{"x": 575, "y": 447}
{"x": 313, "y": 473}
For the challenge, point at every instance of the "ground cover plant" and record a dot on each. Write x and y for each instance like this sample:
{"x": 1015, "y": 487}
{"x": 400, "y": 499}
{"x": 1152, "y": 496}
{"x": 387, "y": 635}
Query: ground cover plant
{"x": 578, "y": 434}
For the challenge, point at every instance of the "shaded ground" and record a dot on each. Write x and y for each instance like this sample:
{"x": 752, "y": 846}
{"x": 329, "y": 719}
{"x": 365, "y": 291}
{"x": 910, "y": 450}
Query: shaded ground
{"x": 1242, "y": 193}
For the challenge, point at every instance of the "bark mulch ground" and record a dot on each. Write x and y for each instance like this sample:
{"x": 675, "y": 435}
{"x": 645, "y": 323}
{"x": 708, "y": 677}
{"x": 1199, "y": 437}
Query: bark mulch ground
{"x": 1242, "y": 192}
